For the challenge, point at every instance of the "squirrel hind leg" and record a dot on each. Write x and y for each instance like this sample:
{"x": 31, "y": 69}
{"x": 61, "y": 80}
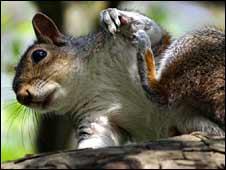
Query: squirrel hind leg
{"x": 146, "y": 63}
{"x": 198, "y": 123}
{"x": 151, "y": 69}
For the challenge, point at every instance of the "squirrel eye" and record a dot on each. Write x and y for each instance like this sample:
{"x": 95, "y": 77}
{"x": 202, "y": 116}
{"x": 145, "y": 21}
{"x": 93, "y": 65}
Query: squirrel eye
{"x": 38, "y": 55}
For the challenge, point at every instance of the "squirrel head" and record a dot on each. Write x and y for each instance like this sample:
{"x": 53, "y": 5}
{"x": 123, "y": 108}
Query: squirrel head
{"x": 46, "y": 69}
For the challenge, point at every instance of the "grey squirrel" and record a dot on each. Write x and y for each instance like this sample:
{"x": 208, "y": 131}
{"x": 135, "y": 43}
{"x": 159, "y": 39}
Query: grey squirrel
{"x": 95, "y": 79}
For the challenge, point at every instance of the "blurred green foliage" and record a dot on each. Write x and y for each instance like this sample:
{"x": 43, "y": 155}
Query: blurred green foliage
{"x": 158, "y": 14}
{"x": 19, "y": 129}
{"x": 17, "y": 124}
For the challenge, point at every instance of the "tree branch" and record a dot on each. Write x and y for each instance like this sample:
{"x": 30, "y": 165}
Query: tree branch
{"x": 187, "y": 151}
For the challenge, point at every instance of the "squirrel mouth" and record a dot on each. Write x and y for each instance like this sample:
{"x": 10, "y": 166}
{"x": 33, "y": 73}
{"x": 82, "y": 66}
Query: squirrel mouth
{"x": 42, "y": 103}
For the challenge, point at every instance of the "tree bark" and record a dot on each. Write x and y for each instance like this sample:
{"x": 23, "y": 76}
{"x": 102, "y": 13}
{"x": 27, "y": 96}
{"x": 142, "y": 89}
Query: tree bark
{"x": 196, "y": 151}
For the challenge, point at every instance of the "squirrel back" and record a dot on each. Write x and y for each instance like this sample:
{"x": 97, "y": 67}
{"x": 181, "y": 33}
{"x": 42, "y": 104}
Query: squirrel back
{"x": 191, "y": 74}
{"x": 193, "y": 68}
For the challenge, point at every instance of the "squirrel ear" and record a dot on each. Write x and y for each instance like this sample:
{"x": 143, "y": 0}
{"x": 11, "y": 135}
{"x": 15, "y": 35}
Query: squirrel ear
{"x": 46, "y": 30}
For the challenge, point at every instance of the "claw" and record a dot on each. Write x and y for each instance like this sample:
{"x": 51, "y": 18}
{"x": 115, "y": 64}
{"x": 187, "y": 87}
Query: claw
{"x": 115, "y": 16}
{"x": 110, "y": 19}
{"x": 112, "y": 29}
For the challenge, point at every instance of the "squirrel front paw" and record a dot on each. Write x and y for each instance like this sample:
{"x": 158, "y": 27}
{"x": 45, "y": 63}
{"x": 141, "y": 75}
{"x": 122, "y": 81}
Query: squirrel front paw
{"x": 126, "y": 22}
{"x": 109, "y": 19}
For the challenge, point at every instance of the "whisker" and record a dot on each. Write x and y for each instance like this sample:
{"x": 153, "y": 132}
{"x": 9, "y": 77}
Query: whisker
{"x": 13, "y": 111}
{"x": 50, "y": 75}
{"x": 22, "y": 129}
{"x": 13, "y": 117}
{"x": 36, "y": 118}
{"x": 30, "y": 126}
{"x": 45, "y": 116}
{"x": 35, "y": 123}
{"x": 46, "y": 79}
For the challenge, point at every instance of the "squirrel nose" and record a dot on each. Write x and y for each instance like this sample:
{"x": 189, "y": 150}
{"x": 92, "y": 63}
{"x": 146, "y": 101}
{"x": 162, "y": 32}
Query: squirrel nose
{"x": 23, "y": 95}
